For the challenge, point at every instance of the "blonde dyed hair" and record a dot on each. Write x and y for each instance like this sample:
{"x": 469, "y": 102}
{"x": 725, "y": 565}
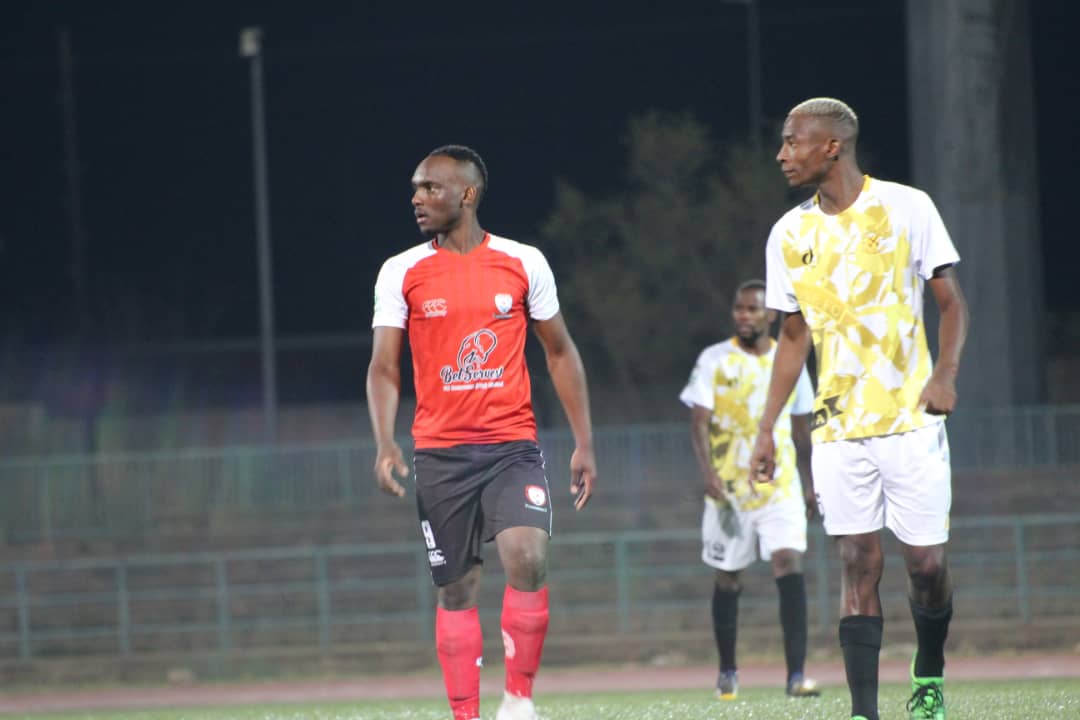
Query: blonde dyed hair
{"x": 837, "y": 112}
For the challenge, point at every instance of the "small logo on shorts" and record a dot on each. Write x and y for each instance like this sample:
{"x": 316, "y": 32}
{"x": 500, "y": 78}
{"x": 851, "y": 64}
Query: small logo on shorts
{"x": 435, "y": 558}
{"x": 536, "y": 495}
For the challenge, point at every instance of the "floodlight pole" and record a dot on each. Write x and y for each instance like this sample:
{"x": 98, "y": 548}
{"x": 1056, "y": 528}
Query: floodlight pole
{"x": 251, "y": 48}
{"x": 753, "y": 71}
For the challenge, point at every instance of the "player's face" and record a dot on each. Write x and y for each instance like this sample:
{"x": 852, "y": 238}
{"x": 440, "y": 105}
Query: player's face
{"x": 438, "y": 195}
{"x": 804, "y": 150}
{"x": 750, "y": 315}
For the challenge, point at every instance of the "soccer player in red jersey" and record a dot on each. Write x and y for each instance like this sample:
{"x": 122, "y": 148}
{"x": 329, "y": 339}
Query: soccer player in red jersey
{"x": 466, "y": 298}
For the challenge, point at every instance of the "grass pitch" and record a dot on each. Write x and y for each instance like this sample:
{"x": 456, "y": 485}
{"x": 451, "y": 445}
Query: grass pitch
{"x": 1018, "y": 700}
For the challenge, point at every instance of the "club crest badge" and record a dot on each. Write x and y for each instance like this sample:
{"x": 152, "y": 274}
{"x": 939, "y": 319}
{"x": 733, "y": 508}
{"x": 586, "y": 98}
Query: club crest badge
{"x": 503, "y": 303}
{"x": 537, "y": 495}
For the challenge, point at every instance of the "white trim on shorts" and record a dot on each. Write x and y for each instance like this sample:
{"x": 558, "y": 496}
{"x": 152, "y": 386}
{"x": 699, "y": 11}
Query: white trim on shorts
{"x": 901, "y": 481}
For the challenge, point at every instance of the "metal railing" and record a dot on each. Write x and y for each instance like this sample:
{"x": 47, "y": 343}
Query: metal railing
{"x": 142, "y": 495}
{"x": 1015, "y": 569}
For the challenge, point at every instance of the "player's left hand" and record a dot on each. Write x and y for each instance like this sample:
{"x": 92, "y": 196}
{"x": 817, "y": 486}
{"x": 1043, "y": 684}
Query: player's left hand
{"x": 939, "y": 395}
{"x": 582, "y": 475}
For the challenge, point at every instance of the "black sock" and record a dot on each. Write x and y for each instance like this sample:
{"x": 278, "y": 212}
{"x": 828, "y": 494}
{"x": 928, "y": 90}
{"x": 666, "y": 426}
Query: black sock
{"x": 725, "y": 613}
{"x": 793, "y": 620}
{"x": 931, "y": 629}
{"x": 860, "y": 641}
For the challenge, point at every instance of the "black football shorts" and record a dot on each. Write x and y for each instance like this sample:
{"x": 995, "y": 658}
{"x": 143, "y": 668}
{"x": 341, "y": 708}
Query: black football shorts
{"x": 467, "y": 494}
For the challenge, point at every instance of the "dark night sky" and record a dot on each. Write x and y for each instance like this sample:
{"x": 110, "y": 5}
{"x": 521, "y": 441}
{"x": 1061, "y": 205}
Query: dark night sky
{"x": 356, "y": 94}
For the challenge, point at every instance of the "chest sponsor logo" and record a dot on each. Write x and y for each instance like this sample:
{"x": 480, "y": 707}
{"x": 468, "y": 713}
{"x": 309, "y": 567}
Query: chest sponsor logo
{"x": 472, "y": 372}
{"x": 503, "y": 303}
{"x": 435, "y": 307}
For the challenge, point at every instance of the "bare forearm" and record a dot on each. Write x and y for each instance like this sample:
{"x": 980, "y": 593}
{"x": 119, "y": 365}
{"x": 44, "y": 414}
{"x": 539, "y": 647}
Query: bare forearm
{"x": 568, "y": 376}
{"x": 699, "y": 440}
{"x": 383, "y": 396}
{"x": 800, "y": 438}
{"x": 952, "y": 333}
{"x": 791, "y": 350}
{"x": 806, "y": 474}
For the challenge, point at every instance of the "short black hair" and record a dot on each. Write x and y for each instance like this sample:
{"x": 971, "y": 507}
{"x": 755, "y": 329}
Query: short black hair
{"x": 752, "y": 284}
{"x": 463, "y": 153}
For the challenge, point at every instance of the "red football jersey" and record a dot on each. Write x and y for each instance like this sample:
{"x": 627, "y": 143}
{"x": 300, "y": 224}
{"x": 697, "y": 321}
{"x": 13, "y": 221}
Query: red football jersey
{"x": 467, "y": 317}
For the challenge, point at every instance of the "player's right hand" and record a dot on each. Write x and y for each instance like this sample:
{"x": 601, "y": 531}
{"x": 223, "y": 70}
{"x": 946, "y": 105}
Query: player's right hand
{"x": 763, "y": 459}
{"x": 390, "y": 462}
{"x": 714, "y": 487}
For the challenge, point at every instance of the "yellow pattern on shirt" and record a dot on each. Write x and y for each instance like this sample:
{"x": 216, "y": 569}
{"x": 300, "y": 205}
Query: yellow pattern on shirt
{"x": 740, "y": 388}
{"x": 860, "y": 293}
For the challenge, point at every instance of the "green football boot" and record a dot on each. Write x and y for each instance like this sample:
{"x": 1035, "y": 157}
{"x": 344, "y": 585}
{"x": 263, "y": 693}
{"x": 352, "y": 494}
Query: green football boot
{"x": 927, "y": 696}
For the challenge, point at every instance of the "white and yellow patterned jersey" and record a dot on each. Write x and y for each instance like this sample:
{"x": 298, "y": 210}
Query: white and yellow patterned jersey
{"x": 734, "y": 385}
{"x": 858, "y": 278}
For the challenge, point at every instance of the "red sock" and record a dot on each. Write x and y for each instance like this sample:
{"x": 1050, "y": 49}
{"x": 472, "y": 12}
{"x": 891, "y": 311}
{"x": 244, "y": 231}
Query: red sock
{"x": 460, "y": 644}
{"x": 524, "y": 626}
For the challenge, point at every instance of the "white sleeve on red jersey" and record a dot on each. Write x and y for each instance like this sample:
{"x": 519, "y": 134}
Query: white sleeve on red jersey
{"x": 391, "y": 309}
{"x": 543, "y": 298}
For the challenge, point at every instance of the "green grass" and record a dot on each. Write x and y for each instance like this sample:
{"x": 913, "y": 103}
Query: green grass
{"x": 1019, "y": 700}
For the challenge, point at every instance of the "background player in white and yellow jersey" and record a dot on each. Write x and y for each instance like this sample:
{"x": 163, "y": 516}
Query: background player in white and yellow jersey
{"x": 726, "y": 395}
{"x": 849, "y": 265}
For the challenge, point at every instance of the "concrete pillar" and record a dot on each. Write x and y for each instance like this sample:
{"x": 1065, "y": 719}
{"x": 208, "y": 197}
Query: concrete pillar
{"x": 973, "y": 149}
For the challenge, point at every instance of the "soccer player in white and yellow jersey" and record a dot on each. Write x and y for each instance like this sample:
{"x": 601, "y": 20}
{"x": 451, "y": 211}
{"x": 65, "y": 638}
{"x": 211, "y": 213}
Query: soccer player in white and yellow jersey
{"x": 726, "y": 396}
{"x": 849, "y": 267}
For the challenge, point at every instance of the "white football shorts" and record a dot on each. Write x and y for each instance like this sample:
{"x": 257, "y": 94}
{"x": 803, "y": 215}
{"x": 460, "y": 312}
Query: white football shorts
{"x": 737, "y": 543}
{"x": 902, "y": 482}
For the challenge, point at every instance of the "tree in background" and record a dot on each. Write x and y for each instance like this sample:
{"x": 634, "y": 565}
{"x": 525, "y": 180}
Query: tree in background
{"x": 647, "y": 270}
